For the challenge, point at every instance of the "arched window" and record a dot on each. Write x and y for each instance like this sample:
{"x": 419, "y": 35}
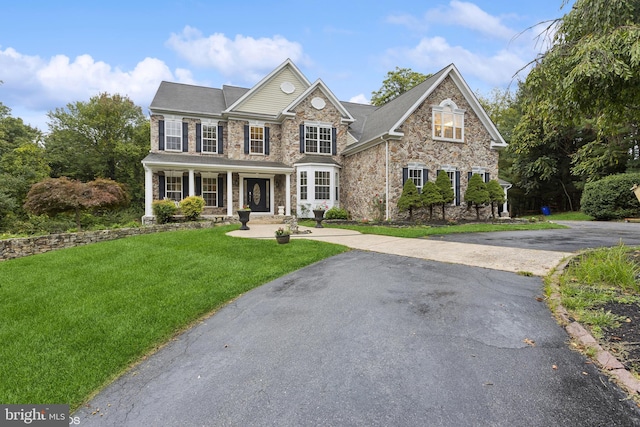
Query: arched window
{"x": 448, "y": 121}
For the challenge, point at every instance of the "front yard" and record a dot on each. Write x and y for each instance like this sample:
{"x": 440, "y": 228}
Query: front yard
{"x": 74, "y": 319}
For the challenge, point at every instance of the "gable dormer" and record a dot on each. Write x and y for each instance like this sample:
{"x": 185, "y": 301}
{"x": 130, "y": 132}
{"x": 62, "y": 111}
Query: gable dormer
{"x": 273, "y": 94}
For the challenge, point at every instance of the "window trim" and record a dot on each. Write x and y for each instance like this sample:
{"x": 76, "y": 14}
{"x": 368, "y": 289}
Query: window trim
{"x": 252, "y": 140}
{"x": 438, "y": 111}
{"x": 327, "y": 127}
{"x": 214, "y": 177}
{"x": 419, "y": 169}
{"x": 178, "y": 124}
{"x": 179, "y": 178}
{"x": 214, "y": 126}
{"x": 455, "y": 185}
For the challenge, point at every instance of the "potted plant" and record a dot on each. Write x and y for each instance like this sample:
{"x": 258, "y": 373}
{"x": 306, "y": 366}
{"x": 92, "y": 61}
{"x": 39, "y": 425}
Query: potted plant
{"x": 318, "y": 213}
{"x": 243, "y": 214}
{"x": 283, "y": 235}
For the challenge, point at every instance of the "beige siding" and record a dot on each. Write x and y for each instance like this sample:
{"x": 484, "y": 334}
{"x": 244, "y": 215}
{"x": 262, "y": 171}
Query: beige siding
{"x": 270, "y": 99}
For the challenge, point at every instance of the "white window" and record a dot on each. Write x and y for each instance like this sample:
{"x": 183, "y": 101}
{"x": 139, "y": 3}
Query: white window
{"x": 322, "y": 185}
{"x": 256, "y": 140}
{"x": 484, "y": 174}
{"x": 454, "y": 176}
{"x": 303, "y": 185}
{"x": 173, "y": 187}
{"x": 317, "y": 139}
{"x": 173, "y": 135}
{"x": 209, "y": 138}
{"x": 415, "y": 174}
{"x": 210, "y": 190}
{"x": 317, "y": 186}
{"x": 448, "y": 121}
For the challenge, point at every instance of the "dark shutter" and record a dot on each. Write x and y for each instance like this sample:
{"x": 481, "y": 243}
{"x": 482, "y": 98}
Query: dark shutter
{"x": 469, "y": 175}
{"x": 220, "y": 141}
{"x": 405, "y": 175}
{"x": 220, "y": 192}
{"x": 246, "y": 139}
{"x": 457, "y": 188}
{"x": 161, "y": 187}
{"x": 185, "y": 137}
{"x": 302, "y": 138}
{"x": 198, "y": 138}
{"x": 425, "y": 176}
{"x": 198, "y": 185}
{"x": 185, "y": 186}
{"x": 486, "y": 177}
{"x": 161, "y": 135}
{"x": 266, "y": 141}
{"x": 334, "y": 141}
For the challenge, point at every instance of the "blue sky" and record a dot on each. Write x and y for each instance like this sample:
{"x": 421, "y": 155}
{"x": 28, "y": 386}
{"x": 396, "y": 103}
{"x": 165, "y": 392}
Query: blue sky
{"x": 53, "y": 53}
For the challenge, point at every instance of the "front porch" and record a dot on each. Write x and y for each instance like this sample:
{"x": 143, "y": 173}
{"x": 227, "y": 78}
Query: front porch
{"x": 226, "y": 185}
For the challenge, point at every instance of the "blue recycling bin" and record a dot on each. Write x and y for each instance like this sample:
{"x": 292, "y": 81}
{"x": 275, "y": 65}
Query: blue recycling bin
{"x": 546, "y": 211}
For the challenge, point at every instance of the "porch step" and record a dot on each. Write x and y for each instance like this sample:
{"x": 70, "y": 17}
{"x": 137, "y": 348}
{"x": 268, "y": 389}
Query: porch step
{"x": 253, "y": 219}
{"x": 268, "y": 219}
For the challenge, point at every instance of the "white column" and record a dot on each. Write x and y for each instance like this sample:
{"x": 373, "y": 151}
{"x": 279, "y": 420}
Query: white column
{"x": 192, "y": 182}
{"x": 505, "y": 208}
{"x": 287, "y": 201}
{"x": 229, "y": 194}
{"x": 272, "y": 195}
{"x": 240, "y": 191}
{"x": 148, "y": 192}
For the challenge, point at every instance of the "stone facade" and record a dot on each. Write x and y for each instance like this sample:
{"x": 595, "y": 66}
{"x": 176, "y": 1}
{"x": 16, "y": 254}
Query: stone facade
{"x": 365, "y": 170}
{"x": 364, "y": 176}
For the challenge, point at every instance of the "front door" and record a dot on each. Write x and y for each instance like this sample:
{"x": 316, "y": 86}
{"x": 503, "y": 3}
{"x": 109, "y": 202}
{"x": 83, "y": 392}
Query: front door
{"x": 257, "y": 194}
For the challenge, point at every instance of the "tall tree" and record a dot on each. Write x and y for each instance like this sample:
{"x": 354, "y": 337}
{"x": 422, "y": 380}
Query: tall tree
{"x": 22, "y": 163}
{"x": 397, "y": 82}
{"x": 446, "y": 191}
{"x": 586, "y": 84}
{"x": 410, "y": 198}
{"x": 476, "y": 194}
{"x": 106, "y": 137}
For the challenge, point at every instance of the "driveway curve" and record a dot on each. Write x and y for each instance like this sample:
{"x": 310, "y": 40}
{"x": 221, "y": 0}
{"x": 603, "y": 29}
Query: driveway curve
{"x": 371, "y": 339}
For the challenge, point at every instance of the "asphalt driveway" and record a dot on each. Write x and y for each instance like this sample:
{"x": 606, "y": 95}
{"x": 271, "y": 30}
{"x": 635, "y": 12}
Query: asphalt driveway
{"x": 371, "y": 339}
{"x": 581, "y": 235}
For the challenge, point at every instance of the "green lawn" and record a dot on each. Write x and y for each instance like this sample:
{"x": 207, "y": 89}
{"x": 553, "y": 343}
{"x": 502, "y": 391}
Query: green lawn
{"x": 417, "y": 231}
{"x": 74, "y": 319}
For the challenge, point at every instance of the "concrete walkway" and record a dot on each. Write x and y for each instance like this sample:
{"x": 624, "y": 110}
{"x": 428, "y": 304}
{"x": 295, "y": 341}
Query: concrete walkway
{"x": 536, "y": 262}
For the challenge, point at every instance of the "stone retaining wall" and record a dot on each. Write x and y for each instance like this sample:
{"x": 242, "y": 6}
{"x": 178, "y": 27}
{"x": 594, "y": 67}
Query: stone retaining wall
{"x": 20, "y": 247}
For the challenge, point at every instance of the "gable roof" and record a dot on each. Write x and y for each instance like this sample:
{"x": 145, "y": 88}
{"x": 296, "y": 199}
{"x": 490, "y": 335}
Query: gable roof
{"x": 319, "y": 84}
{"x": 383, "y": 122}
{"x": 286, "y": 68}
{"x": 190, "y": 99}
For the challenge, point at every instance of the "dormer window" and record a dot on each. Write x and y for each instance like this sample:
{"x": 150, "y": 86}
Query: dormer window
{"x": 448, "y": 121}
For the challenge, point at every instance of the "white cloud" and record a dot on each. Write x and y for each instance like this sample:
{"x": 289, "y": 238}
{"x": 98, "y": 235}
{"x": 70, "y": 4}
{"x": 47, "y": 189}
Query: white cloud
{"x": 470, "y": 16}
{"x": 435, "y": 53}
{"x": 360, "y": 99}
{"x": 33, "y": 85}
{"x": 457, "y": 13}
{"x": 245, "y": 57}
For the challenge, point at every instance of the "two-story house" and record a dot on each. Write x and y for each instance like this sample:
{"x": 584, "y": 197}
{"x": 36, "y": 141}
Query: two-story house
{"x": 288, "y": 144}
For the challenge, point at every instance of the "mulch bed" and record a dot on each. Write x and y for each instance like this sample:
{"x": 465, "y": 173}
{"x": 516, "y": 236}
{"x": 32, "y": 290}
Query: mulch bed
{"x": 624, "y": 341}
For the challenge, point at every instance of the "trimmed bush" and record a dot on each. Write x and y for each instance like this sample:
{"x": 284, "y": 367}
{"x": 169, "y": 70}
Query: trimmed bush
{"x": 164, "y": 210}
{"x": 611, "y": 197}
{"x": 336, "y": 213}
{"x": 192, "y": 207}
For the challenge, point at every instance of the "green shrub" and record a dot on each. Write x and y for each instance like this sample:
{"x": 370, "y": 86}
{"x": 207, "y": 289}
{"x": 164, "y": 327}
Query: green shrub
{"x": 336, "y": 213}
{"x": 611, "y": 197}
{"x": 164, "y": 210}
{"x": 192, "y": 207}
